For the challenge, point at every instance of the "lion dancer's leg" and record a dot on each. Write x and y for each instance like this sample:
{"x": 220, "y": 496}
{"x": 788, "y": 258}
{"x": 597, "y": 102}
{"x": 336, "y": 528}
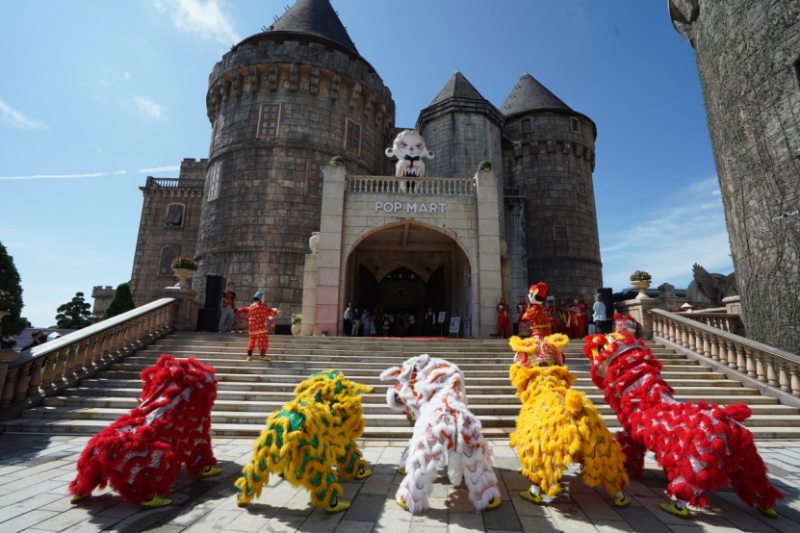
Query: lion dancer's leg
{"x": 479, "y": 477}
{"x": 603, "y": 463}
{"x": 251, "y": 343}
{"x": 751, "y": 484}
{"x": 202, "y": 459}
{"x": 262, "y": 340}
{"x": 352, "y": 463}
{"x": 634, "y": 453}
{"x": 418, "y": 483}
{"x": 255, "y": 474}
{"x": 401, "y": 468}
{"x": 90, "y": 474}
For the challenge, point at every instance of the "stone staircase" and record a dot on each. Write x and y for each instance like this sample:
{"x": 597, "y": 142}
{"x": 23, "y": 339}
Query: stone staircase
{"x": 249, "y": 391}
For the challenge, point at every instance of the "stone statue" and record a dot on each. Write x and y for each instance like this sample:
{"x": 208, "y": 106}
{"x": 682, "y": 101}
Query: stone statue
{"x": 710, "y": 288}
{"x": 410, "y": 149}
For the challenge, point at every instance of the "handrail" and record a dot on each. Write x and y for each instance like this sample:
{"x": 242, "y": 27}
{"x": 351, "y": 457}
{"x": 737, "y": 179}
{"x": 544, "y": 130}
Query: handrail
{"x": 724, "y": 321}
{"x": 769, "y": 365}
{"x": 174, "y": 183}
{"x": 411, "y": 185}
{"x": 46, "y": 369}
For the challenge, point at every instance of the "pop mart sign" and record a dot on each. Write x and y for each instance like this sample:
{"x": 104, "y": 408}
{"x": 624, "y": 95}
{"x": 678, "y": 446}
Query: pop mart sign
{"x": 416, "y": 207}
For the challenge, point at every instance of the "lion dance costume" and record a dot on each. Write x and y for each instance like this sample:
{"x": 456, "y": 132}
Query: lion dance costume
{"x": 307, "y": 438}
{"x": 535, "y": 313}
{"x": 432, "y": 391}
{"x": 558, "y": 426}
{"x": 700, "y": 446}
{"x": 141, "y": 453}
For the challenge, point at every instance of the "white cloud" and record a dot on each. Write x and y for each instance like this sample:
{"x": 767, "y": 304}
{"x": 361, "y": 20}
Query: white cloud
{"x": 666, "y": 236}
{"x": 205, "y": 18}
{"x": 120, "y": 172}
{"x": 63, "y": 176}
{"x": 11, "y": 118}
{"x": 168, "y": 168}
{"x": 149, "y": 107}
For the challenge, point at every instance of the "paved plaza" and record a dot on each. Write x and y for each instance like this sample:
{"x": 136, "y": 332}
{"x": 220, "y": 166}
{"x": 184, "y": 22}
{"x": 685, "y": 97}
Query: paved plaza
{"x": 35, "y": 472}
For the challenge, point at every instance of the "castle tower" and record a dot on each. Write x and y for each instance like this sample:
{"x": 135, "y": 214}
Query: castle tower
{"x": 749, "y": 65}
{"x": 282, "y": 103}
{"x": 548, "y": 154}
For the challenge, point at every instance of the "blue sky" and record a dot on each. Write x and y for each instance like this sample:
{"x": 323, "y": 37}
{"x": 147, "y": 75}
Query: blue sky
{"x": 97, "y": 95}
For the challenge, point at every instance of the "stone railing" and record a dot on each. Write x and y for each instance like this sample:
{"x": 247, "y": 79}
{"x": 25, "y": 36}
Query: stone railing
{"x": 725, "y": 321}
{"x": 766, "y": 364}
{"x": 412, "y": 186}
{"x": 44, "y": 370}
{"x": 173, "y": 183}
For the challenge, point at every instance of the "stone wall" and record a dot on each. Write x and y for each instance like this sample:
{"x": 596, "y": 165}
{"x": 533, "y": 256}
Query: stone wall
{"x": 256, "y": 231}
{"x": 749, "y": 62}
{"x": 552, "y": 167}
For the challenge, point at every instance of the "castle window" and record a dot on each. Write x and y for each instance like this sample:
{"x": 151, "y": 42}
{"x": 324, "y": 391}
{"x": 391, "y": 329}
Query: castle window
{"x": 269, "y": 121}
{"x": 582, "y": 188}
{"x": 575, "y": 124}
{"x": 175, "y": 215}
{"x": 316, "y": 175}
{"x": 352, "y": 133}
{"x": 526, "y": 125}
{"x": 213, "y": 182}
{"x": 560, "y": 233}
{"x": 168, "y": 255}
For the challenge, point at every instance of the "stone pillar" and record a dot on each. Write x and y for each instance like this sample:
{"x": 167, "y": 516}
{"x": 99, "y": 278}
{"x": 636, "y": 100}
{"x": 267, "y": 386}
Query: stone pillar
{"x": 329, "y": 267}
{"x": 733, "y": 305}
{"x": 310, "y": 286}
{"x": 489, "y": 286}
{"x": 186, "y": 317}
{"x": 638, "y": 310}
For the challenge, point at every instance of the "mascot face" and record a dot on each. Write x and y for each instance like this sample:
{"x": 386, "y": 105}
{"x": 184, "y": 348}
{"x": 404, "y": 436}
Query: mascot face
{"x": 409, "y": 143}
{"x": 603, "y": 350}
{"x": 168, "y": 373}
{"x": 418, "y": 380}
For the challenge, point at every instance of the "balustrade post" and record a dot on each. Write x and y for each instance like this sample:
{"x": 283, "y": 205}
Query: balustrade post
{"x": 772, "y": 377}
{"x": 783, "y": 376}
{"x": 795, "y": 379}
{"x": 741, "y": 366}
{"x": 23, "y": 381}
{"x": 72, "y": 359}
{"x": 108, "y": 339}
{"x": 731, "y": 354}
{"x": 9, "y": 387}
{"x": 36, "y": 376}
{"x": 684, "y": 336}
{"x": 706, "y": 344}
{"x": 673, "y": 331}
{"x": 97, "y": 349}
{"x": 49, "y": 365}
{"x": 86, "y": 360}
{"x": 761, "y": 369}
{"x": 59, "y": 363}
{"x": 750, "y": 365}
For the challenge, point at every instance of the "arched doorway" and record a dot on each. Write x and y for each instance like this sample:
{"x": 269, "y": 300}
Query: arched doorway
{"x": 406, "y": 268}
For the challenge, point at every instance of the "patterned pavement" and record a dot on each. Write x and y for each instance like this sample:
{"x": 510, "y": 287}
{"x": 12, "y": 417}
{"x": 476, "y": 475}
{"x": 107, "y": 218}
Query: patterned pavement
{"x": 35, "y": 471}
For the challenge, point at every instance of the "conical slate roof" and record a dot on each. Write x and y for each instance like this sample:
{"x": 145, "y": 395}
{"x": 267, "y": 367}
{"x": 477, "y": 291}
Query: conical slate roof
{"x": 530, "y": 95}
{"x": 458, "y": 87}
{"x": 317, "y": 18}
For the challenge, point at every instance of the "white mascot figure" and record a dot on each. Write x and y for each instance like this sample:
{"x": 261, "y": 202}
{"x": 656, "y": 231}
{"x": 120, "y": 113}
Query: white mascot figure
{"x": 410, "y": 149}
{"x": 432, "y": 392}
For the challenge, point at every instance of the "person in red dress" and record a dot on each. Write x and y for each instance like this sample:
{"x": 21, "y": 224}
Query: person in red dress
{"x": 550, "y": 313}
{"x": 581, "y": 317}
{"x": 535, "y": 313}
{"x": 257, "y": 326}
{"x": 503, "y": 326}
{"x": 566, "y": 322}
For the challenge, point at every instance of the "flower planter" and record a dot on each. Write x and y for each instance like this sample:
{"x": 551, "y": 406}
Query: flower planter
{"x": 296, "y": 329}
{"x": 183, "y": 274}
{"x": 641, "y": 286}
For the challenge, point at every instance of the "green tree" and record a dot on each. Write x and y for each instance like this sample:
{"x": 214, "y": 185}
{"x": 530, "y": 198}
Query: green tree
{"x": 73, "y": 314}
{"x": 10, "y": 297}
{"x": 121, "y": 302}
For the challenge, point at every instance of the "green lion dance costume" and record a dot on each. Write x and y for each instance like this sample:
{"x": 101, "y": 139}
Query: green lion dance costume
{"x": 307, "y": 438}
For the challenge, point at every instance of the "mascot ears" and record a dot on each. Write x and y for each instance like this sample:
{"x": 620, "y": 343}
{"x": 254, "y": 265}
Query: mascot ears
{"x": 388, "y": 375}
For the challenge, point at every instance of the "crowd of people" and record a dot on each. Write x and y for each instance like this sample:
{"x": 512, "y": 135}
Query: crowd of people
{"x": 575, "y": 319}
{"x": 366, "y": 323}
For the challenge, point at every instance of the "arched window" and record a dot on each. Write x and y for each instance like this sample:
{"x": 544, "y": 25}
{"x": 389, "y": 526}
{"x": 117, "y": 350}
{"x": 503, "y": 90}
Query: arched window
{"x": 213, "y": 182}
{"x": 168, "y": 255}
{"x": 175, "y": 215}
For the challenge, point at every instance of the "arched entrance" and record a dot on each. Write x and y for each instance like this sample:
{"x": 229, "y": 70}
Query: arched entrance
{"x": 406, "y": 268}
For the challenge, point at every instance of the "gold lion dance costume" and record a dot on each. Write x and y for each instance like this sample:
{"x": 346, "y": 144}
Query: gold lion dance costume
{"x": 700, "y": 446}
{"x": 141, "y": 453}
{"x": 307, "y": 438}
{"x": 432, "y": 391}
{"x": 558, "y": 426}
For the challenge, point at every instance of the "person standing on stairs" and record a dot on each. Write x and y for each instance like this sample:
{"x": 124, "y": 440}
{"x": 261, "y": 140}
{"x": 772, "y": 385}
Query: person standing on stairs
{"x": 257, "y": 325}
{"x": 228, "y": 305}
{"x": 347, "y": 329}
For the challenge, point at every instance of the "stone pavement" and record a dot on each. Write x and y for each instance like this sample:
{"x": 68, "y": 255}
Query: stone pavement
{"x": 35, "y": 471}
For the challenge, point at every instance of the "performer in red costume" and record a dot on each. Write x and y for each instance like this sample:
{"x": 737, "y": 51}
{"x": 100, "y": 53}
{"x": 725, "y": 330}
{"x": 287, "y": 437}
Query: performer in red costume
{"x": 566, "y": 322}
{"x": 257, "y": 326}
{"x": 550, "y": 313}
{"x": 700, "y": 446}
{"x": 581, "y": 317}
{"x": 624, "y": 323}
{"x": 535, "y": 313}
{"x": 503, "y": 326}
{"x": 141, "y": 453}
{"x": 523, "y": 326}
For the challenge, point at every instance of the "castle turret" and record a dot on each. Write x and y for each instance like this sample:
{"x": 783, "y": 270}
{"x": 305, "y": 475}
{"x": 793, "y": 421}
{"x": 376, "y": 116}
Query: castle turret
{"x": 281, "y": 104}
{"x": 549, "y": 158}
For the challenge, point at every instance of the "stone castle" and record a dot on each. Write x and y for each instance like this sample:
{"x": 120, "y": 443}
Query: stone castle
{"x": 749, "y": 63}
{"x": 284, "y": 102}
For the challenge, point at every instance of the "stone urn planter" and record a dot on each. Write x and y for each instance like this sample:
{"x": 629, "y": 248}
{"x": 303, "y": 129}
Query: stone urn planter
{"x": 183, "y": 274}
{"x": 641, "y": 286}
{"x": 296, "y": 329}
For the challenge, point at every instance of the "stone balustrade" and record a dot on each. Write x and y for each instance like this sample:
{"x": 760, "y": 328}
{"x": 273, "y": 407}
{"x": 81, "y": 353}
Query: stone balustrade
{"x": 46, "y": 369}
{"x": 411, "y": 186}
{"x": 769, "y": 365}
{"x": 725, "y": 321}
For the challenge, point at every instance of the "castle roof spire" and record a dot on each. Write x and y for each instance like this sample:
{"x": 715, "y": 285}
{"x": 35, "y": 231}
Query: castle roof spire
{"x": 530, "y": 95}
{"x": 458, "y": 87}
{"x": 316, "y": 18}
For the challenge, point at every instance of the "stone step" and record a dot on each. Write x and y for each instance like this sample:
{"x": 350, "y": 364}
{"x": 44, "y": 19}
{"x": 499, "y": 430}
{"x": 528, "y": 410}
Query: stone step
{"x": 372, "y": 404}
{"x": 92, "y": 427}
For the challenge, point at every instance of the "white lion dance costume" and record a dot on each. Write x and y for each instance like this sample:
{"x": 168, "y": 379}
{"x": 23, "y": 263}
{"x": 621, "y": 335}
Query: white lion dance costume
{"x": 558, "y": 426}
{"x": 432, "y": 391}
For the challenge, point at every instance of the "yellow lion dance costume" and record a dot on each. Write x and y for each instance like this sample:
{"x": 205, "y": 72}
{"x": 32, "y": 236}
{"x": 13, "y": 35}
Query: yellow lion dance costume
{"x": 307, "y": 438}
{"x": 558, "y": 426}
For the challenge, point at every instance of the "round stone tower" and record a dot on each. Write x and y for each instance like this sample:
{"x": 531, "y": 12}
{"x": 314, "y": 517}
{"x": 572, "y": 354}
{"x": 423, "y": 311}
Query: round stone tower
{"x": 282, "y": 103}
{"x": 749, "y": 65}
{"x": 549, "y": 159}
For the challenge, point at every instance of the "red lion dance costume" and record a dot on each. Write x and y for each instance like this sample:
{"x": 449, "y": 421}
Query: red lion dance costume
{"x": 535, "y": 313}
{"x": 141, "y": 453}
{"x": 700, "y": 446}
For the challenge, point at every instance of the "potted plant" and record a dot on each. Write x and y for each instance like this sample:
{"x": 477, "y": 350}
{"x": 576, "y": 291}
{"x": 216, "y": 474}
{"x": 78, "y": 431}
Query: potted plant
{"x": 641, "y": 281}
{"x": 184, "y": 268}
{"x": 297, "y": 319}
